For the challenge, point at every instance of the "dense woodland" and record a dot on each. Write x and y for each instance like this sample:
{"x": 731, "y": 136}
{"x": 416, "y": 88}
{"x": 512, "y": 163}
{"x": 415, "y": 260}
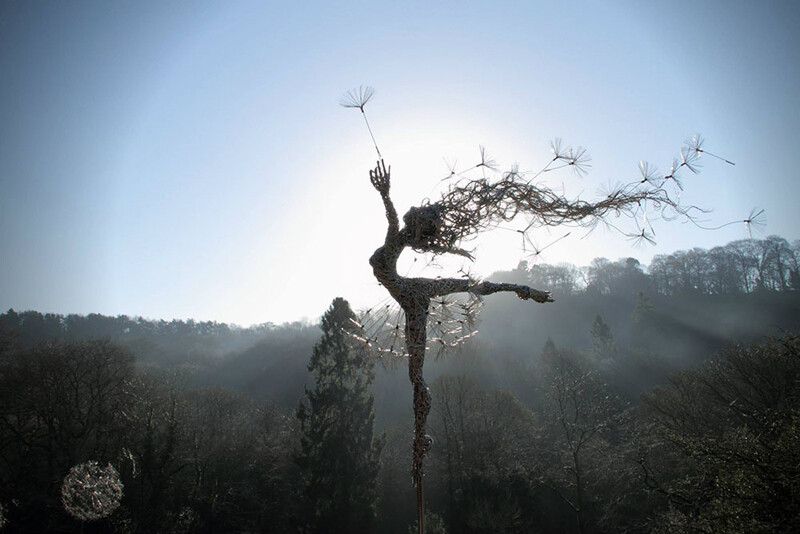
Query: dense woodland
{"x": 663, "y": 398}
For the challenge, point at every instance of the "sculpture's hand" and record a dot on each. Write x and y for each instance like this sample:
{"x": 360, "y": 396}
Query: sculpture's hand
{"x": 380, "y": 177}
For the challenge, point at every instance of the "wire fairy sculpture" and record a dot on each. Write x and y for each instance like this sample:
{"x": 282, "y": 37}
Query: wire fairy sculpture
{"x": 437, "y": 313}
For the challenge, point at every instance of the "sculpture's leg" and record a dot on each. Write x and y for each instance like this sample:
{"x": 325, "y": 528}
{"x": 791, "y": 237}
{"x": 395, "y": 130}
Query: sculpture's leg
{"x": 415, "y": 343}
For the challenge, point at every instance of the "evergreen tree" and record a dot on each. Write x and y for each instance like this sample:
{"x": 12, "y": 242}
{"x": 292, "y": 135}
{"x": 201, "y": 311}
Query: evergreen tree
{"x": 643, "y": 322}
{"x": 602, "y": 339}
{"x": 549, "y": 351}
{"x": 339, "y": 456}
{"x": 642, "y": 309}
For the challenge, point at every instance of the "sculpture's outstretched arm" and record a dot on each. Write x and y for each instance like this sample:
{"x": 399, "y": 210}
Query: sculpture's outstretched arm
{"x": 446, "y": 286}
{"x": 380, "y": 178}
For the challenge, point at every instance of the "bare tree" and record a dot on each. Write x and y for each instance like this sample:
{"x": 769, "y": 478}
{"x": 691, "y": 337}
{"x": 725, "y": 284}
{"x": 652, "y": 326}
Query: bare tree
{"x": 584, "y": 414}
{"x": 470, "y": 206}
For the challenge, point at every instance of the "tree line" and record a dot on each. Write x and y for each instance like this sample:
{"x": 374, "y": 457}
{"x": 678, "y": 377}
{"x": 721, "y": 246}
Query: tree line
{"x": 743, "y": 266}
{"x": 210, "y": 337}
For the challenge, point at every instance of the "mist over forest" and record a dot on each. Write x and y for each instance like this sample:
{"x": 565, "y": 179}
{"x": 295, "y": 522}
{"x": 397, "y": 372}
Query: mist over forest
{"x": 659, "y": 398}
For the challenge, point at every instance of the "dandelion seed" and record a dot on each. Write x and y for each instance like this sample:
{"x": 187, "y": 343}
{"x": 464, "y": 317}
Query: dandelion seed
{"x": 579, "y": 160}
{"x": 755, "y": 219}
{"x": 451, "y": 166}
{"x": 555, "y": 148}
{"x": 695, "y": 143}
{"x": 610, "y": 190}
{"x": 689, "y": 159}
{"x": 648, "y": 172}
{"x": 512, "y": 174}
{"x": 486, "y": 161}
{"x": 641, "y": 238}
{"x": 671, "y": 176}
{"x": 538, "y": 250}
{"x": 357, "y": 99}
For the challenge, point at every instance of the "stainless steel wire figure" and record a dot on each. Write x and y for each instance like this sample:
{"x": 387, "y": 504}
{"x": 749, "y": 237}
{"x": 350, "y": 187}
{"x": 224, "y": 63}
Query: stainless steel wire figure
{"x": 470, "y": 206}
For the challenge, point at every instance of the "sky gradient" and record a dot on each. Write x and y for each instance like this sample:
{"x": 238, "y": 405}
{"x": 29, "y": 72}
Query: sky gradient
{"x": 190, "y": 159}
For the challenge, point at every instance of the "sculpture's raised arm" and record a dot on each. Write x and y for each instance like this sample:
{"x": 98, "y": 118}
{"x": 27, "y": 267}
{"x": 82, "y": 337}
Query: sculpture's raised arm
{"x": 380, "y": 178}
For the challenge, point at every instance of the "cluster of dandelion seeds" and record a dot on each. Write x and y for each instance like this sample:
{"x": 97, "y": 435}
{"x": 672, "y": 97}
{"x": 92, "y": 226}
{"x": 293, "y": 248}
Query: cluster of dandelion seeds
{"x": 91, "y": 492}
{"x": 451, "y": 320}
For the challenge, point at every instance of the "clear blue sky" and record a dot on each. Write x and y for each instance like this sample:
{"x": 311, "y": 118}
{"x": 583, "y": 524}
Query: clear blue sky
{"x": 190, "y": 159}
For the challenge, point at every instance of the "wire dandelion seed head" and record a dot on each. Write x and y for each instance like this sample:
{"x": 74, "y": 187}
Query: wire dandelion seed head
{"x": 689, "y": 159}
{"x": 579, "y": 159}
{"x": 486, "y": 161}
{"x": 641, "y": 238}
{"x": 451, "y": 165}
{"x": 672, "y": 175}
{"x": 755, "y": 220}
{"x": 673, "y": 169}
{"x": 556, "y": 149}
{"x": 649, "y": 172}
{"x": 694, "y": 143}
{"x": 357, "y": 98}
{"x": 512, "y": 174}
{"x": 645, "y": 234}
{"x": 610, "y": 189}
{"x": 531, "y": 251}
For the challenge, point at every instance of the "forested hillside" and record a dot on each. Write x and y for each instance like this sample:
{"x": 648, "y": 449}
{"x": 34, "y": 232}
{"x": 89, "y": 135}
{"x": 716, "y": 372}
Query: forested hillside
{"x": 658, "y": 399}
